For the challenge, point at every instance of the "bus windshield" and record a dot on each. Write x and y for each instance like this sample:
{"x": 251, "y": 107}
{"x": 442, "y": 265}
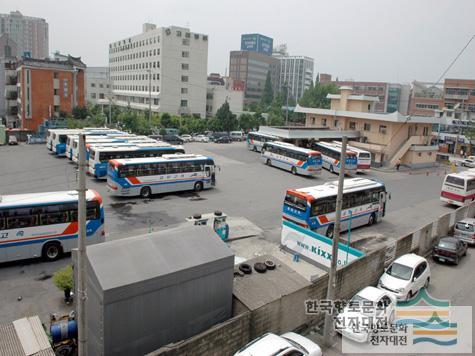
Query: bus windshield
{"x": 296, "y": 202}
{"x": 456, "y": 181}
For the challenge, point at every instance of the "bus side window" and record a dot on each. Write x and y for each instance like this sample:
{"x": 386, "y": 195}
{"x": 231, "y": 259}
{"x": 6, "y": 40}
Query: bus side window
{"x": 2, "y": 224}
{"x": 20, "y": 222}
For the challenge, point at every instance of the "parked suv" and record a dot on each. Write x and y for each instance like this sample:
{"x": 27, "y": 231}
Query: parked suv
{"x": 406, "y": 276}
{"x": 236, "y": 135}
{"x": 173, "y": 139}
{"x": 465, "y": 231}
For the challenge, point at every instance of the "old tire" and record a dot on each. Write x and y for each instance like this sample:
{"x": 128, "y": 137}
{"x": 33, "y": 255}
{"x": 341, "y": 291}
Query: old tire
{"x": 52, "y": 251}
{"x": 329, "y": 232}
{"x": 198, "y": 186}
{"x": 245, "y": 268}
{"x": 146, "y": 192}
{"x": 260, "y": 267}
{"x": 269, "y": 264}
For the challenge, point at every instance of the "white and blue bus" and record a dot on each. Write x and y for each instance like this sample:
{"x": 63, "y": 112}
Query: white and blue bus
{"x": 331, "y": 156}
{"x": 292, "y": 158}
{"x": 99, "y": 156}
{"x": 363, "y": 157}
{"x": 364, "y": 203}
{"x": 57, "y": 139}
{"x": 255, "y": 140}
{"x": 169, "y": 173}
{"x": 46, "y": 224}
{"x": 72, "y": 143}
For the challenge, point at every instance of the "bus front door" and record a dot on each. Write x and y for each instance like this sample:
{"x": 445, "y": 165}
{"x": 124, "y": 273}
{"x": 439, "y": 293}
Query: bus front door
{"x": 382, "y": 203}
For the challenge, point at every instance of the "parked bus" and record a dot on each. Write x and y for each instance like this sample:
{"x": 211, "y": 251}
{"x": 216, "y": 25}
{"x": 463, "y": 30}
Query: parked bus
{"x": 364, "y": 202}
{"x": 255, "y": 140}
{"x": 46, "y": 224}
{"x": 363, "y": 157}
{"x": 292, "y": 158}
{"x": 72, "y": 142}
{"x": 100, "y": 156}
{"x": 154, "y": 175}
{"x": 56, "y": 141}
{"x": 459, "y": 188}
{"x": 331, "y": 156}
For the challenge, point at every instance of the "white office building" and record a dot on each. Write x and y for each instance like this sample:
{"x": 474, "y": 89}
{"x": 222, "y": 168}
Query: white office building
{"x": 296, "y": 72}
{"x": 167, "y": 65}
{"x": 97, "y": 86}
{"x": 221, "y": 90}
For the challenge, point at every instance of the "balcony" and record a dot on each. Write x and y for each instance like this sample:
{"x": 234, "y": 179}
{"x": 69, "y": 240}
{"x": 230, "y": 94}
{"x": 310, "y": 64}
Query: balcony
{"x": 12, "y": 110}
{"x": 11, "y": 95}
{"x": 10, "y": 80}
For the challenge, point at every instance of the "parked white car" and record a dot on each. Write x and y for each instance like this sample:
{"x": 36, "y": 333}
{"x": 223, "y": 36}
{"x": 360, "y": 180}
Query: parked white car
{"x": 406, "y": 276}
{"x": 201, "y": 138}
{"x": 287, "y": 344}
{"x": 470, "y": 163}
{"x": 186, "y": 138}
{"x": 370, "y": 303}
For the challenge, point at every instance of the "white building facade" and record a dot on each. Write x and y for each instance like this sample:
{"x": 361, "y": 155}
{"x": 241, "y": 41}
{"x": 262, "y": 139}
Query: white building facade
{"x": 167, "y": 65}
{"x": 30, "y": 34}
{"x": 219, "y": 92}
{"x": 97, "y": 86}
{"x": 296, "y": 72}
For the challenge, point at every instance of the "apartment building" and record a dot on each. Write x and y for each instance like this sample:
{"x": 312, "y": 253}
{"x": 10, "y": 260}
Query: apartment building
{"x": 8, "y": 91}
{"x": 388, "y": 137}
{"x": 221, "y": 90}
{"x": 425, "y": 99}
{"x": 162, "y": 67}
{"x": 461, "y": 92}
{"x": 30, "y": 34}
{"x": 47, "y": 88}
{"x": 252, "y": 67}
{"x": 97, "y": 87}
{"x": 295, "y": 74}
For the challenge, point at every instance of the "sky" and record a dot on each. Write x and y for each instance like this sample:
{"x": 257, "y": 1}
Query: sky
{"x": 368, "y": 40}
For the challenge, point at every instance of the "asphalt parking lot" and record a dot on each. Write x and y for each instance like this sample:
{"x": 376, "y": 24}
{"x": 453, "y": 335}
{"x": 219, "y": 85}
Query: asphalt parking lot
{"x": 245, "y": 187}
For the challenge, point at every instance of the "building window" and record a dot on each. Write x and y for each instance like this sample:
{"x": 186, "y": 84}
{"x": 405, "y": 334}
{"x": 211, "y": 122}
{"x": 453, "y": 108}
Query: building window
{"x": 352, "y": 125}
{"x": 184, "y": 78}
{"x": 367, "y": 127}
{"x": 93, "y": 95}
{"x": 324, "y": 122}
{"x": 184, "y": 103}
{"x": 184, "y": 90}
{"x": 335, "y": 123}
{"x": 425, "y": 131}
{"x": 178, "y": 33}
{"x": 93, "y": 85}
{"x": 185, "y": 66}
{"x": 382, "y": 129}
{"x": 185, "y": 54}
{"x": 155, "y": 101}
{"x": 55, "y": 75}
{"x": 419, "y": 154}
{"x": 101, "y": 96}
{"x": 313, "y": 121}
{"x": 185, "y": 41}
{"x": 101, "y": 86}
{"x": 369, "y": 107}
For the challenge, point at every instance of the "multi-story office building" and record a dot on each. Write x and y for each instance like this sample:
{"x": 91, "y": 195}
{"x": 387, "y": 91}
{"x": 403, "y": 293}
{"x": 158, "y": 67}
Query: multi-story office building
{"x": 324, "y": 78}
{"x": 460, "y": 91}
{"x": 30, "y": 34}
{"x": 398, "y": 98}
{"x": 221, "y": 90}
{"x": 48, "y": 87}
{"x": 425, "y": 99}
{"x": 97, "y": 86}
{"x": 295, "y": 74}
{"x": 8, "y": 91}
{"x": 256, "y": 42}
{"x": 252, "y": 67}
{"x": 165, "y": 64}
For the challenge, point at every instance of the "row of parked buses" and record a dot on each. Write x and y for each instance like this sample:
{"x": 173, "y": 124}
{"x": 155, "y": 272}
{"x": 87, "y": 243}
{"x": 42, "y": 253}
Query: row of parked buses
{"x": 135, "y": 165}
{"x": 305, "y": 161}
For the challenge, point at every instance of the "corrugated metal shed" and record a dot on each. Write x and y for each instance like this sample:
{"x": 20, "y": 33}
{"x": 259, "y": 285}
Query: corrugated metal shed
{"x": 24, "y": 337}
{"x": 154, "y": 289}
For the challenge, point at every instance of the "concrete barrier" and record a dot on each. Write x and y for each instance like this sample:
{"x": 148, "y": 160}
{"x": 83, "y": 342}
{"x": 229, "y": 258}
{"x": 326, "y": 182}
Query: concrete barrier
{"x": 443, "y": 225}
{"x": 403, "y": 245}
{"x": 461, "y": 213}
{"x": 471, "y": 210}
{"x": 425, "y": 239}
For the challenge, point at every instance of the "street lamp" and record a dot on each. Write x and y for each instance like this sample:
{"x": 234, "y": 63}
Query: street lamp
{"x": 149, "y": 71}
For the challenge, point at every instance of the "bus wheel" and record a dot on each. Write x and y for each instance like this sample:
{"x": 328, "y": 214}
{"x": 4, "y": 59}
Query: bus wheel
{"x": 268, "y": 162}
{"x": 255, "y": 149}
{"x": 329, "y": 232}
{"x": 52, "y": 251}
{"x": 198, "y": 186}
{"x": 294, "y": 170}
{"x": 145, "y": 192}
{"x": 372, "y": 219}
{"x": 331, "y": 169}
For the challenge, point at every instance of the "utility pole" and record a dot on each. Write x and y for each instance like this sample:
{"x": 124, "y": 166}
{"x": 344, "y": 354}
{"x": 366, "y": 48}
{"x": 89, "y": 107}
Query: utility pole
{"x": 287, "y": 106}
{"x": 110, "y": 112}
{"x": 81, "y": 287}
{"x": 149, "y": 96}
{"x": 336, "y": 237}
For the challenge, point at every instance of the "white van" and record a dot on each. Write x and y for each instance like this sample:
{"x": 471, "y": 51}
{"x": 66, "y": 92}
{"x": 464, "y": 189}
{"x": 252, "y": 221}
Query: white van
{"x": 236, "y": 136}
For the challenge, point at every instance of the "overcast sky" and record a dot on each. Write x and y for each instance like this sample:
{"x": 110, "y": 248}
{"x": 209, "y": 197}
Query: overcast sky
{"x": 371, "y": 40}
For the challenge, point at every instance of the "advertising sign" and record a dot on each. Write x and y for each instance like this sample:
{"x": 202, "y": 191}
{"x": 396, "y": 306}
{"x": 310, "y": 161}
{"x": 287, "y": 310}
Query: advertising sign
{"x": 315, "y": 246}
{"x": 257, "y": 43}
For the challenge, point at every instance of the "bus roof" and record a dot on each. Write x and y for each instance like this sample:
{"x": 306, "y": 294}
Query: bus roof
{"x": 330, "y": 188}
{"x": 125, "y": 146}
{"x": 333, "y": 147}
{"x": 263, "y": 135}
{"x": 164, "y": 158}
{"x": 470, "y": 173}
{"x": 29, "y": 199}
{"x": 291, "y": 146}
{"x": 351, "y": 148}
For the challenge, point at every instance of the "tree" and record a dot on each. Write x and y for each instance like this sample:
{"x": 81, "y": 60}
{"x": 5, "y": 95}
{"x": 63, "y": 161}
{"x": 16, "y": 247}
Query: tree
{"x": 226, "y": 118}
{"x": 316, "y": 96}
{"x": 268, "y": 93}
{"x": 248, "y": 122}
{"x": 63, "y": 280}
{"x": 165, "y": 119}
{"x": 80, "y": 112}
